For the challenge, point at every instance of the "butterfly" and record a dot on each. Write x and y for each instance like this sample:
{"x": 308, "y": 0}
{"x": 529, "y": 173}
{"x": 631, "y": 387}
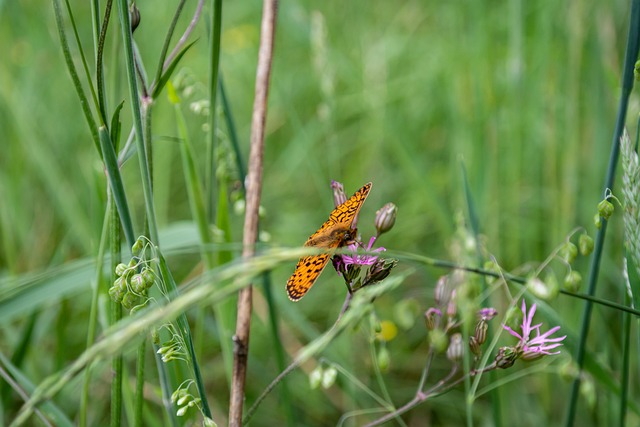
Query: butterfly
{"x": 334, "y": 233}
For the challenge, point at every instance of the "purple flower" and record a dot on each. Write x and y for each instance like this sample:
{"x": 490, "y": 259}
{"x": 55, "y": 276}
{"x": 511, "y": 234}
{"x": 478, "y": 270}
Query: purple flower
{"x": 362, "y": 260}
{"x": 538, "y": 346}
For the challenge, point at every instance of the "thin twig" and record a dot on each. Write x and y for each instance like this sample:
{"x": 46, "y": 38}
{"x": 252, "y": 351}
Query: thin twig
{"x": 254, "y": 187}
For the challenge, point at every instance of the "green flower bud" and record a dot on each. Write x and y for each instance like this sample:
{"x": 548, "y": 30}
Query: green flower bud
{"x": 149, "y": 277}
{"x": 605, "y": 209}
{"x": 597, "y": 221}
{"x": 120, "y": 269}
{"x": 481, "y": 331}
{"x": 329, "y": 377}
{"x": 386, "y": 218}
{"x": 572, "y": 281}
{"x": 474, "y": 346}
{"x": 375, "y": 323}
{"x": 134, "y": 16}
{"x": 315, "y": 378}
{"x": 137, "y": 246}
{"x": 138, "y": 284}
{"x": 569, "y": 252}
{"x": 585, "y": 244}
{"x": 383, "y": 359}
{"x": 208, "y": 422}
{"x": 116, "y": 294}
{"x": 155, "y": 336}
{"x": 130, "y": 300}
{"x": 506, "y": 357}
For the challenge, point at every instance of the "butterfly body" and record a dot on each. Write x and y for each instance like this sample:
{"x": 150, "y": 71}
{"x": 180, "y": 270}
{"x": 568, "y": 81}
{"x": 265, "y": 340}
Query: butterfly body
{"x": 336, "y": 232}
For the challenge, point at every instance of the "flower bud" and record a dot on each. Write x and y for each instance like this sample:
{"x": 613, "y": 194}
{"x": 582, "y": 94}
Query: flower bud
{"x": 487, "y": 313}
{"x": 116, "y": 293}
{"x": 120, "y": 269}
{"x": 137, "y": 247}
{"x": 585, "y": 244}
{"x": 441, "y": 292}
{"x": 149, "y": 277}
{"x": 568, "y": 252}
{"x": 138, "y": 284}
{"x": 474, "y": 346}
{"x": 572, "y": 281}
{"x": 134, "y": 16}
{"x": 432, "y": 318}
{"x": 386, "y": 218}
{"x": 605, "y": 209}
{"x": 329, "y": 377}
{"x": 597, "y": 221}
{"x": 506, "y": 357}
{"x": 130, "y": 300}
{"x": 380, "y": 270}
{"x": 338, "y": 193}
{"x": 481, "y": 331}
{"x": 315, "y": 378}
{"x": 452, "y": 308}
{"x": 383, "y": 359}
{"x": 454, "y": 351}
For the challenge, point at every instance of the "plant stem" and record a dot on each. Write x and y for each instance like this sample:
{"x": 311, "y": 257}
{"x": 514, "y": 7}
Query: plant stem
{"x": 254, "y": 187}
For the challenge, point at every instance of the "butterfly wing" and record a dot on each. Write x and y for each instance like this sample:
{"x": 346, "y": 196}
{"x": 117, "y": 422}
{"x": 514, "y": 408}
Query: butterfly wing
{"x": 347, "y": 212}
{"x": 307, "y": 271}
{"x": 309, "y": 268}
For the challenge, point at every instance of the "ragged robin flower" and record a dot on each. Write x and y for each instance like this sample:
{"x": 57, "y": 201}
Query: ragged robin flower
{"x": 531, "y": 348}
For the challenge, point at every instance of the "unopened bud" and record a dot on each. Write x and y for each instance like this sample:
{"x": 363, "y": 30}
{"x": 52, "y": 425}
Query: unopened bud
{"x": 380, "y": 270}
{"x": 329, "y": 377}
{"x": 481, "y": 331}
{"x": 452, "y": 308}
{"x": 338, "y": 193}
{"x": 432, "y": 318}
{"x": 506, "y": 357}
{"x": 474, "y": 346}
{"x": 315, "y": 378}
{"x": 134, "y": 16}
{"x": 605, "y": 209}
{"x": 487, "y": 313}
{"x": 384, "y": 359}
{"x": 386, "y": 218}
{"x": 454, "y": 351}
{"x": 585, "y": 244}
{"x": 440, "y": 292}
{"x": 572, "y": 281}
{"x": 569, "y": 252}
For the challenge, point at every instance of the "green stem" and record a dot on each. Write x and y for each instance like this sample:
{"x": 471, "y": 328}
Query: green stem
{"x": 140, "y": 368}
{"x": 116, "y": 316}
{"x": 214, "y": 58}
{"x": 93, "y": 314}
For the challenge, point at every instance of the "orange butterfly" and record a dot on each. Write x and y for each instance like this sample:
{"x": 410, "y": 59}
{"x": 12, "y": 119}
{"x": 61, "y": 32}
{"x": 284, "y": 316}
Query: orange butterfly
{"x": 334, "y": 233}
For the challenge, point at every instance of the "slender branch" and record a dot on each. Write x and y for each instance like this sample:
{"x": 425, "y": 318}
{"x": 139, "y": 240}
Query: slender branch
{"x": 254, "y": 187}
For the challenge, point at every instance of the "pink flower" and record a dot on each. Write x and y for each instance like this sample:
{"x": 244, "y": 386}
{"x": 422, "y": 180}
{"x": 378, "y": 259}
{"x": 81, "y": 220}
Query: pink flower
{"x": 532, "y": 348}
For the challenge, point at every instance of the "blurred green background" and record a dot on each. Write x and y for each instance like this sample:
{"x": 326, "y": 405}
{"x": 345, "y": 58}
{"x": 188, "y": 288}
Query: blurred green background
{"x": 400, "y": 93}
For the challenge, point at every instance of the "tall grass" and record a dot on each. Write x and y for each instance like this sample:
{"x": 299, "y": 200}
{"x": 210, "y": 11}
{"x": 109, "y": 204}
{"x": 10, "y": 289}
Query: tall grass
{"x": 523, "y": 94}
